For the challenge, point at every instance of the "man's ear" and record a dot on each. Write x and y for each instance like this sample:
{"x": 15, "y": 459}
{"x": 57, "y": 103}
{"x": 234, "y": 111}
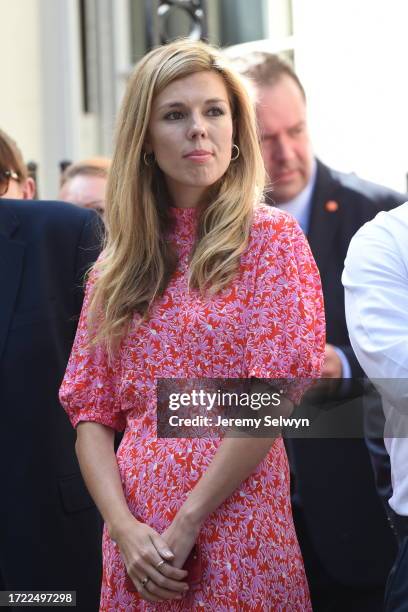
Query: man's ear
{"x": 29, "y": 189}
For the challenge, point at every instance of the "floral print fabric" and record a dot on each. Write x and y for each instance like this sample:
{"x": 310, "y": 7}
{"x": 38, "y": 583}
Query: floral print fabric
{"x": 268, "y": 323}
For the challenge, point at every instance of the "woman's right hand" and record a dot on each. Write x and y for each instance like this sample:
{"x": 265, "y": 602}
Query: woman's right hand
{"x": 147, "y": 556}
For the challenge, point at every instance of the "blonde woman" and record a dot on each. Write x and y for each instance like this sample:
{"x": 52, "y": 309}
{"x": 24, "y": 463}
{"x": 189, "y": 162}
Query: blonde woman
{"x": 197, "y": 279}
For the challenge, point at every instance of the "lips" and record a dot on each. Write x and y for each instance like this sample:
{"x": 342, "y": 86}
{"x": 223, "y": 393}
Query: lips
{"x": 287, "y": 174}
{"x": 199, "y": 155}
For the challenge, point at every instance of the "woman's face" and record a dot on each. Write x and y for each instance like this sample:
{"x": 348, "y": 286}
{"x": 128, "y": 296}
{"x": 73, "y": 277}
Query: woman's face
{"x": 190, "y": 133}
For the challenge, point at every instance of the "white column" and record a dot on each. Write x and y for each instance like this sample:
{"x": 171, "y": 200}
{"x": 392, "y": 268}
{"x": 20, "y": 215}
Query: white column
{"x": 61, "y": 89}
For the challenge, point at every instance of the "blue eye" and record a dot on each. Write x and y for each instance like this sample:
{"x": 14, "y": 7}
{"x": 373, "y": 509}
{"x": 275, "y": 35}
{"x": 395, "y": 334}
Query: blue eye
{"x": 215, "y": 111}
{"x": 174, "y": 115}
{"x": 296, "y": 131}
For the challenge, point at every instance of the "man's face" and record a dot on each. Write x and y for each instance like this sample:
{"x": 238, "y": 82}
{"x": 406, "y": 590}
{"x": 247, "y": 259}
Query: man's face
{"x": 17, "y": 189}
{"x": 286, "y": 147}
{"x": 86, "y": 191}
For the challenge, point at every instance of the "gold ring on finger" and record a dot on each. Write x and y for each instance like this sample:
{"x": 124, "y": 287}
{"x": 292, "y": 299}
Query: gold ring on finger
{"x": 144, "y": 581}
{"x": 160, "y": 563}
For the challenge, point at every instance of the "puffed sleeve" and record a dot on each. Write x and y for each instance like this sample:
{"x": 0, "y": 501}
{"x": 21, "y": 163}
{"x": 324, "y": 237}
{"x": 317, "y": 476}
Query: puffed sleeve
{"x": 90, "y": 388}
{"x": 286, "y": 329}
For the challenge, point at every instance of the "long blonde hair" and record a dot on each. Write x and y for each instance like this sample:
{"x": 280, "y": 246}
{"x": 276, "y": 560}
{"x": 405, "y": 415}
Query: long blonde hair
{"x": 137, "y": 262}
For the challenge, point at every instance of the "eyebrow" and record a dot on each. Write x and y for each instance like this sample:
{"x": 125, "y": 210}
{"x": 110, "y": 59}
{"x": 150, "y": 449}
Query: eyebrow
{"x": 298, "y": 124}
{"x": 181, "y": 104}
{"x": 268, "y": 135}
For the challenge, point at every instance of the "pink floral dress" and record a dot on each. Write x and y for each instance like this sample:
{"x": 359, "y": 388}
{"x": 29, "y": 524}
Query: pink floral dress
{"x": 268, "y": 323}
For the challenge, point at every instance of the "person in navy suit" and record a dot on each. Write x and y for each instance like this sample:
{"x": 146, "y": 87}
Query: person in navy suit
{"x": 50, "y": 530}
{"x": 347, "y": 545}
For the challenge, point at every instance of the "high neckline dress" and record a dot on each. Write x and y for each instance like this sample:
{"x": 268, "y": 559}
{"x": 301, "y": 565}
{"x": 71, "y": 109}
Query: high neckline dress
{"x": 268, "y": 323}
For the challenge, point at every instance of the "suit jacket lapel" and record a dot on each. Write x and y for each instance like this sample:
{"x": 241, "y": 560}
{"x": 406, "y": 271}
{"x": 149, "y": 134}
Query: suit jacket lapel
{"x": 11, "y": 267}
{"x": 324, "y": 216}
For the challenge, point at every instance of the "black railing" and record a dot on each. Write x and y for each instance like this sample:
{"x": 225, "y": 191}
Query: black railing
{"x": 158, "y": 20}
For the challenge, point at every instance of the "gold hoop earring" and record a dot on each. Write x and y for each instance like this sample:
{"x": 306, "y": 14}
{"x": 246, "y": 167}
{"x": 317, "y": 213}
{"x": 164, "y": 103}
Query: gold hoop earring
{"x": 237, "y": 152}
{"x": 148, "y": 158}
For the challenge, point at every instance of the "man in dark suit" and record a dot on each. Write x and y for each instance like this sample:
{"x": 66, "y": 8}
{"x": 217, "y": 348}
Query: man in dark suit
{"x": 50, "y": 531}
{"x": 347, "y": 545}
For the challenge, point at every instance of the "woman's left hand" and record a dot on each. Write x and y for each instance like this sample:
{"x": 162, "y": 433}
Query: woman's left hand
{"x": 181, "y": 536}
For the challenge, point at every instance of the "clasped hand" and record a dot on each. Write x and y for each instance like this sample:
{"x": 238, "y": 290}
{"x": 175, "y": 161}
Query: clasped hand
{"x": 154, "y": 561}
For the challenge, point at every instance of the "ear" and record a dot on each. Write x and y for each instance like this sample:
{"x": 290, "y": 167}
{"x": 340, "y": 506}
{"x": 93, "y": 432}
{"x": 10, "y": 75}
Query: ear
{"x": 29, "y": 189}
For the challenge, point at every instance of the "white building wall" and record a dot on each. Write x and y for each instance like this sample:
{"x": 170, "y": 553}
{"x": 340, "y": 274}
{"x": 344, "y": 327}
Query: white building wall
{"x": 60, "y": 83}
{"x": 352, "y": 57}
{"x": 40, "y": 103}
{"x": 41, "y": 90}
{"x": 20, "y": 91}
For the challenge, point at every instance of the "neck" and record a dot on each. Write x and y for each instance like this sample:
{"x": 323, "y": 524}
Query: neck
{"x": 186, "y": 197}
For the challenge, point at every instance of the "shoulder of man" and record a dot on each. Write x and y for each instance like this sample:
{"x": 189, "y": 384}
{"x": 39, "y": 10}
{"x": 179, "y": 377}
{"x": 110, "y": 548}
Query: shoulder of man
{"x": 55, "y": 223}
{"x": 49, "y": 212}
{"x": 388, "y": 225}
{"x": 360, "y": 191}
{"x": 65, "y": 238}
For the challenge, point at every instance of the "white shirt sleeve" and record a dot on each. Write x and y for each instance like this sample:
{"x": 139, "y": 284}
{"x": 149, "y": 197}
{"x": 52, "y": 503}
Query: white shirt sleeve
{"x": 375, "y": 279}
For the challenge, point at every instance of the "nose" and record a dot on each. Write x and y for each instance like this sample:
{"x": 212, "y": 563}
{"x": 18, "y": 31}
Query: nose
{"x": 283, "y": 150}
{"x": 197, "y": 127}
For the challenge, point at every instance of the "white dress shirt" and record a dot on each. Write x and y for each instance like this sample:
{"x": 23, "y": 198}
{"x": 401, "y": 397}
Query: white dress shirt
{"x": 300, "y": 206}
{"x": 376, "y": 292}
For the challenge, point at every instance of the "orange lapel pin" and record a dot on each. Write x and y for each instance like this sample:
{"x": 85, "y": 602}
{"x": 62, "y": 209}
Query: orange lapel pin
{"x": 331, "y": 206}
